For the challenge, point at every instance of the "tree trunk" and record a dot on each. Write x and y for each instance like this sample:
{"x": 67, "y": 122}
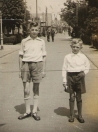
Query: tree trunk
{"x": 18, "y": 30}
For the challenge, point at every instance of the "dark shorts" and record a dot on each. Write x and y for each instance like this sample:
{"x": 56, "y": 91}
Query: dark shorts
{"x": 76, "y": 82}
{"x": 32, "y": 70}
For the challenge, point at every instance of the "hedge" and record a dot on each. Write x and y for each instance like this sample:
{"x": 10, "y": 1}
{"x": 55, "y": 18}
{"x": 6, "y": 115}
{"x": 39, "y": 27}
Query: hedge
{"x": 12, "y": 39}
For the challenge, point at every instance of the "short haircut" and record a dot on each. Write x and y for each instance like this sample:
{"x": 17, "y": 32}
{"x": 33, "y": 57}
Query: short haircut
{"x": 34, "y": 24}
{"x": 77, "y": 41}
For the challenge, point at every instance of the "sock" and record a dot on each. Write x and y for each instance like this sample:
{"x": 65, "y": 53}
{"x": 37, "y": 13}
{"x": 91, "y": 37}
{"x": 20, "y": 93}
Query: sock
{"x": 35, "y": 104}
{"x": 27, "y": 104}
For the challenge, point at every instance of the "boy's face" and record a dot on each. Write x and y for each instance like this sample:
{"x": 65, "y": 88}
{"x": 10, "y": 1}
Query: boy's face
{"x": 34, "y": 31}
{"x": 76, "y": 48}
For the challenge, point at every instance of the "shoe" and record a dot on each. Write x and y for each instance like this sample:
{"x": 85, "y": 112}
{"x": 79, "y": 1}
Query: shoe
{"x": 26, "y": 115}
{"x": 71, "y": 119}
{"x": 91, "y": 47}
{"x": 80, "y": 119}
{"x": 35, "y": 116}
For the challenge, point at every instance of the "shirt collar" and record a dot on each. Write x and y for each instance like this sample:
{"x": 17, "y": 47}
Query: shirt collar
{"x": 72, "y": 54}
{"x": 29, "y": 38}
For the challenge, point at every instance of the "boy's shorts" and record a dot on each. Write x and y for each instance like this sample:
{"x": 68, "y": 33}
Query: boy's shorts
{"x": 76, "y": 82}
{"x": 32, "y": 70}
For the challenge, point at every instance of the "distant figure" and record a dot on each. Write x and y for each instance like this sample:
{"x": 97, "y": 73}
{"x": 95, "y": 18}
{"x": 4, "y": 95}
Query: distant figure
{"x": 76, "y": 31}
{"x": 48, "y": 35}
{"x": 69, "y": 31}
{"x": 64, "y": 32}
{"x": 52, "y": 34}
{"x": 43, "y": 33}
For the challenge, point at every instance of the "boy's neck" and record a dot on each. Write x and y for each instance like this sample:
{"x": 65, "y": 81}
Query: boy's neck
{"x": 33, "y": 37}
{"x": 75, "y": 53}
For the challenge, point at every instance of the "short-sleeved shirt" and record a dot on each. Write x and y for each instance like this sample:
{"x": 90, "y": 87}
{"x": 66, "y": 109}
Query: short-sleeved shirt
{"x": 32, "y": 50}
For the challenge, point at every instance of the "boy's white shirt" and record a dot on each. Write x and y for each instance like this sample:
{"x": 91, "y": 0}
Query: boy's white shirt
{"x": 32, "y": 50}
{"x": 75, "y": 63}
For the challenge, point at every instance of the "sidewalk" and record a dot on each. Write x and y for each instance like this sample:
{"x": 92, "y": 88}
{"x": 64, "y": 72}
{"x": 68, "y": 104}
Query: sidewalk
{"x": 91, "y": 53}
{"x": 8, "y": 49}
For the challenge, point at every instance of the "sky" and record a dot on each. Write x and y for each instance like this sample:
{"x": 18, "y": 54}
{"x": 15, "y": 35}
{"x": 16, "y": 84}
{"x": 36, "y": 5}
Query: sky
{"x": 53, "y": 6}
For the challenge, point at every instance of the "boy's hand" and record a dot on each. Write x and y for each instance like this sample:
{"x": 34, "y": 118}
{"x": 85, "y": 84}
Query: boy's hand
{"x": 19, "y": 74}
{"x": 64, "y": 84}
{"x": 43, "y": 74}
{"x": 66, "y": 89}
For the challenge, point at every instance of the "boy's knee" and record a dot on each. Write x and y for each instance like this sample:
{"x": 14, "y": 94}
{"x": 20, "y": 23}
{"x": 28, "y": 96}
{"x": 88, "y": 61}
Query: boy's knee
{"x": 72, "y": 97}
{"x": 78, "y": 98}
{"x": 36, "y": 89}
{"x": 26, "y": 91}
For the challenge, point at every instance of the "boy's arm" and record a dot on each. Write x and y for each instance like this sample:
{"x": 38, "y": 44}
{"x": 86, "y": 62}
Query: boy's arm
{"x": 64, "y": 72}
{"x": 87, "y": 66}
{"x": 20, "y": 64}
{"x": 44, "y": 67}
{"x": 44, "y": 59}
{"x": 20, "y": 58}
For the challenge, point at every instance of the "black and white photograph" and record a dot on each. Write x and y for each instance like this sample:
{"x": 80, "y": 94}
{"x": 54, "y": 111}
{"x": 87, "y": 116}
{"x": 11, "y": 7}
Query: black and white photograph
{"x": 48, "y": 65}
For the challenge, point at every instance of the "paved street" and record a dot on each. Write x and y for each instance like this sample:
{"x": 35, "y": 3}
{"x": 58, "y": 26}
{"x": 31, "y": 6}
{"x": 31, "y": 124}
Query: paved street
{"x": 54, "y": 102}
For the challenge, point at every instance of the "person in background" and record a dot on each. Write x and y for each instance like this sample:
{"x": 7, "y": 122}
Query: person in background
{"x": 48, "y": 35}
{"x": 52, "y": 34}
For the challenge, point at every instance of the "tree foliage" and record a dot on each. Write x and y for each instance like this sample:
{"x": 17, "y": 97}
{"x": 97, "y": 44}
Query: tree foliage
{"x": 86, "y": 16}
{"x": 68, "y": 13}
{"x": 13, "y": 13}
{"x": 93, "y": 3}
{"x": 74, "y": 13}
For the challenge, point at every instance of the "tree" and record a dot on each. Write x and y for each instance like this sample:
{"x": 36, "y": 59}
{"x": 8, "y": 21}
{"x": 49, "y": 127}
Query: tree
{"x": 68, "y": 13}
{"x": 93, "y": 3}
{"x": 13, "y": 14}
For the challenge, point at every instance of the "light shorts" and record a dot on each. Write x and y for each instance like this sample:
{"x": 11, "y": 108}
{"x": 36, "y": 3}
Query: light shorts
{"x": 32, "y": 70}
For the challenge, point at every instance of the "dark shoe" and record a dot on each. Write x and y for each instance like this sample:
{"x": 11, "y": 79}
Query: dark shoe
{"x": 80, "y": 119}
{"x": 71, "y": 119}
{"x": 26, "y": 115}
{"x": 35, "y": 116}
{"x": 91, "y": 47}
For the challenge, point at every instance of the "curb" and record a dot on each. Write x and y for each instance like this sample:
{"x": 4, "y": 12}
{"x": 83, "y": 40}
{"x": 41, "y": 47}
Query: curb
{"x": 1, "y": 56}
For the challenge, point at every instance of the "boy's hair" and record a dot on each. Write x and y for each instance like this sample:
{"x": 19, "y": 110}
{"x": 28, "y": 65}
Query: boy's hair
{"x": 33, "y": 24}
{"x": 77, "y": 41}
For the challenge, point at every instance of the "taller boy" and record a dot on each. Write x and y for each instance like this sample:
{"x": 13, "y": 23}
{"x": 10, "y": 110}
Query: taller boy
{"x": 32, "y": 57}
{"x": 75, "y": 66}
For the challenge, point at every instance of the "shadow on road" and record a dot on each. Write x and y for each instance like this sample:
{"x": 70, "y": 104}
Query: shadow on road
{"x": 62, "y": 111}
{"x": 21, "y": 108}
{"x": 2, "y": 124}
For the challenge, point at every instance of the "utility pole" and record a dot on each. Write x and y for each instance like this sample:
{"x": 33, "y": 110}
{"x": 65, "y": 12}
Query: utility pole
{"x": 25, "y": 11}
{"x": 46, "y": 18}
{"x": 77, "y": 7}
{"x": 1, "y": 32}
{"x": 36, "y": 10}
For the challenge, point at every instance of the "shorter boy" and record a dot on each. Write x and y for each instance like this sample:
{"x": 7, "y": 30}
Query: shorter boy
{"x": 75, "y": 66}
